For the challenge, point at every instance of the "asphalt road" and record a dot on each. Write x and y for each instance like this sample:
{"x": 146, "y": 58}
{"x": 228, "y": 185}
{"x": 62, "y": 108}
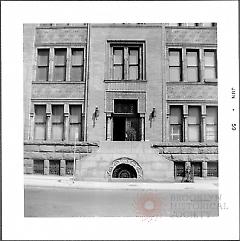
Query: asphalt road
{"x": 69, "y": 202}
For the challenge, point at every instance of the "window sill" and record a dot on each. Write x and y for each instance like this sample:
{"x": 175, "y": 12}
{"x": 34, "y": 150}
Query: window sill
{"x": 185, "y": 83}
{"x": 125, "y": 81}
{"x": 210, "y": 80}
{"x": 58, "y": 82}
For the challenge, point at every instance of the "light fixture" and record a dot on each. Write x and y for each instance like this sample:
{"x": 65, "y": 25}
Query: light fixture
{"x": 96, "y": 113}
{"x": 153, "y": 114}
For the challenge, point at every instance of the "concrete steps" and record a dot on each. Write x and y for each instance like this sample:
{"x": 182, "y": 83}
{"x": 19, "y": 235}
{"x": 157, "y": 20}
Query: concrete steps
{"x": 96, "y": 166}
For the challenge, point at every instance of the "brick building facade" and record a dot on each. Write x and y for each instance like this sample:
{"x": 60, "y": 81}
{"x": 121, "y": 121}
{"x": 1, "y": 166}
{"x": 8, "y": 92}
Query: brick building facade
{"x": 122, "y": 100}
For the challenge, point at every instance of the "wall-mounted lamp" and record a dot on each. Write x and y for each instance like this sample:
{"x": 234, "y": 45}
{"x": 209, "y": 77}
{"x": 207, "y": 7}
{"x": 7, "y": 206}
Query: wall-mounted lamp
{"x": 152, "y": 116}
{"x": 95, "y": 115}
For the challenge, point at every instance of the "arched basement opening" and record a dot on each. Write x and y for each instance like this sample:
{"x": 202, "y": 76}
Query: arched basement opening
{"x": 124, "y": 171}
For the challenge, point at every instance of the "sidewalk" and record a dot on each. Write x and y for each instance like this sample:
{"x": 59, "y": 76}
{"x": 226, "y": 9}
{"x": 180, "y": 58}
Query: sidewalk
{"x": 67, "y": 181}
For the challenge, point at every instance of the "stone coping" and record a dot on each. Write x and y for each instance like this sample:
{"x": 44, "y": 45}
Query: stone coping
{"x": 61, "y": 143}
{"x": 184, "y": 144}
{"x": 154, "y": 145}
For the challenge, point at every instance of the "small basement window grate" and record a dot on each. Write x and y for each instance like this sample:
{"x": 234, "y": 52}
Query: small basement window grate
{"x": 69, "y": 167}
{"x": 179, "y": 169}
{"x": 54, "y": 167}
{"x": 212, "y": 169}
{"x": 197, "y": 169}
{"x": 38, "y": 167}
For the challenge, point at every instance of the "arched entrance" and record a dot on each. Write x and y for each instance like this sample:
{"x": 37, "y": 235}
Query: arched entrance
{"x": 124, "y": 167}
{"x": 124, "y": 171}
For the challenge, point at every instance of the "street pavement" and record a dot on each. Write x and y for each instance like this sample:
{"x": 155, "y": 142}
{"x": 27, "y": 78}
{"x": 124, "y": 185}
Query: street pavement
{"x": 51, "y": 196}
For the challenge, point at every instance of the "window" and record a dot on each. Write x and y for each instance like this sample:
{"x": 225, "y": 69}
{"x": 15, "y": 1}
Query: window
{"x": 192, "y": 65}
{"x": 210, "y": 66}
{"x": 42, "y": 64}
{"x": 75, "y": 122}
{"x": 175, "y": 65}
{"x": 60, "y": 64}
{"x": 40, "y": 122}
{"x": 176, "y": 123}
{"x": 197, "y": 168}
{"x": 54, "y": 167}
{"x": 194, "y": 124}
{"x": 127, "y": 62}
{"x": 38, "y": 167}
{"x": 77, "y": 65}
{"x": 179, "y": 169}
{"x": 57, "y": 122}
{"x": 211, "y": 124}
{"x": 212, "y": 169}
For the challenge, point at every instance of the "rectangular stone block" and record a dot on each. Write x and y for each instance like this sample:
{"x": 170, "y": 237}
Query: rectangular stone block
{"x": 189, "y": 150}
{"x": 29, "y": 170}
{"x": 46, "y": 148}
{"x": 64, "y": 149}
{"x": 171, "y": 150}
{"x": 31, "y": 148}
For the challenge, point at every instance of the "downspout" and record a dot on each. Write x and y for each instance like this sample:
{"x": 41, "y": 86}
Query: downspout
{"x": 86, "y": 83}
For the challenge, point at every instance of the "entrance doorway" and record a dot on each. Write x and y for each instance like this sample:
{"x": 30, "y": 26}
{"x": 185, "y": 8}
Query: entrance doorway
{"x": 126, "y": 128}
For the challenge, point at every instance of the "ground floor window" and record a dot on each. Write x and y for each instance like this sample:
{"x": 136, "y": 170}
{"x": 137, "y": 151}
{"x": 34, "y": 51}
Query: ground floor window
{"x": 197, "y": 169}
{"x": 69, "y": 167}
{"x": 38, "y": 167}
{"x": 179, "y": 169}
{"x": 212, "y": 169}
{"x": 54, "y": 167}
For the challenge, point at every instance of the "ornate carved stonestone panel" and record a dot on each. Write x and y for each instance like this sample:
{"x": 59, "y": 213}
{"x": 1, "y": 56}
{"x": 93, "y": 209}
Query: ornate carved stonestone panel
{"x": 128, "y": 161}
{"x": 63, "y": 35}
{"x": 130, "y": 86}
{"x": 192, "y": 36}
{"x": 59, "y": 90}
{"x": 111, "y": 95}
{"x": 192, "y": 92}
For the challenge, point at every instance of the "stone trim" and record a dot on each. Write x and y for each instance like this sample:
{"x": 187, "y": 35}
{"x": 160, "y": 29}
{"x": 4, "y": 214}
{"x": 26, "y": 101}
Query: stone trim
{"x": 125, "y": 160}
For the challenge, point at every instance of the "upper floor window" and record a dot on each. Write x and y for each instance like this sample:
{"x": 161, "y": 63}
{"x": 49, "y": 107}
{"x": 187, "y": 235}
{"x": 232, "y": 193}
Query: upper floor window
{"x": 75, "y": 122}
{"x": 194, "y": 114}
{"x": 192, "y": 65}
{"x": 175, "y": 65}
{"x": 77, "y": 65}
{"x": 210, "y": 66}
{"x": 42, "y": 64}
{"x": 211, "y": 124}
{"x": 127, "y": 62}
{"x": 57, "y": 122}
{"x": 176, "y": 124}
{"x": 60, "y": 60}
{"x": 40, "y": 122}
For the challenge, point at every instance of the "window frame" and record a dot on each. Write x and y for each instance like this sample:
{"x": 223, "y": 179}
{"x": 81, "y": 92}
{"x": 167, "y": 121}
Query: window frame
{"x": 212, "y": 124}
{"x": 47, "y": 66}
{"x": 180, "y": 66}
{"x": 80, "y": 125}
{"x": 195, "y": 124}
{"x": 189, "y": 66}
{"x": 39, "y": 123}
{"x": 77, "y": 66}
{"x": 54, "y": 123}
{"x": 172, "y": 125}
{"x": 213, "y": 50}
{"x": 60, "y": 65}
{"x": 126, "y": 46}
